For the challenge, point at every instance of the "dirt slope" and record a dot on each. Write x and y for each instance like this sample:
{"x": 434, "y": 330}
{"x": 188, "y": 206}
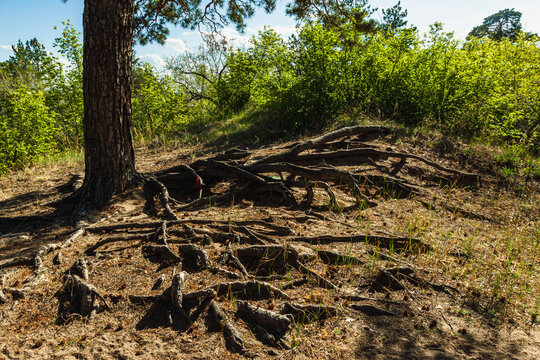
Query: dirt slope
{"x": 418, "y": 261}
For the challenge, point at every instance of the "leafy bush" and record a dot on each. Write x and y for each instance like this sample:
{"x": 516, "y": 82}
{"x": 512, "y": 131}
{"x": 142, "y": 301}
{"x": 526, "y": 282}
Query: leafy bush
{"x": 27, "y": 128}
{"x": 158, "y": 104}
{"x": 481, "y": 88}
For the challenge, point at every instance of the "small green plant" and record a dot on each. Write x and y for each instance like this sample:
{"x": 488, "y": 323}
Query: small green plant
{"x": 507, "y": 172}
{"x": 296, "y": 341}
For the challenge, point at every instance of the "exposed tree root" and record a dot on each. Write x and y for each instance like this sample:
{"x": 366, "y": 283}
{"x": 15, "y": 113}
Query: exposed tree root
{"x": 371, "y": 310}
{"x": 154, "y": 184}
{"x": 308, "y": 313}
{"x": 78, "y": 296}
{"x": 365, "y": 298}
{"x": 273, "y": 322}
{"x": 3, "y": 298}
{"x": 18, "y": 261}
{"x": 382, "y": 241}
{"x": 249, "y": 290}
{"x": 268, "y": 259}
{"x": 160, "y": 254}
{"x": 227, "y": 273}
{"x": 229, "y": 257}
{"x": 143, "y": 237}
{"x": 273, "y": 228}
{"x": 294, "y": 283}
{"x": 335, "y": 258}
{"x": 319, "y": 280}
{"x": 233, "y": 340}
{"x": 177, "y": 295}
{"x": 258, "y": 258}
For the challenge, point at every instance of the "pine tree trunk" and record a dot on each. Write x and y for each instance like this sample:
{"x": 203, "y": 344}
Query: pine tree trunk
{"x": 109, "y": 156}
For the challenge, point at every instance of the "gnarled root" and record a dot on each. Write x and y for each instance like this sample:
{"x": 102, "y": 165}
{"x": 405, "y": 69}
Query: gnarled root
{"x": 233, "y": 340}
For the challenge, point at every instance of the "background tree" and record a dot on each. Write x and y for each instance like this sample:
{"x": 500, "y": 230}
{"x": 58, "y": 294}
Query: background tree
{"x": 394, "y": 18}
{"x": 504, "y": 24}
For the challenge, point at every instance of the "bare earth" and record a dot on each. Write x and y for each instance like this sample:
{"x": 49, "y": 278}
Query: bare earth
{"x": 450, "y": 272}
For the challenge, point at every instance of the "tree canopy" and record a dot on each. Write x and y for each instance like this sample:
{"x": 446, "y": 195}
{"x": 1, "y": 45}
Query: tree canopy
{"x": 501, "y": 25}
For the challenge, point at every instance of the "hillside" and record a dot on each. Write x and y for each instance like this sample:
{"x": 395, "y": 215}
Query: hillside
{"x": 364, "y": 243}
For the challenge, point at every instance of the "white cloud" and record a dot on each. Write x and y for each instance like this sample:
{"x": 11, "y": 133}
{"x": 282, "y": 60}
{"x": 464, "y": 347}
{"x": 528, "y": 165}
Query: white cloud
{"x": 64, "y": 61}
{"x": 5, "y": 47}
{"x": 234, "y": 37}
{"x": 176, "y": 44}
{"x": 154, "y": 59}
{"x": 284, "y": 30}
{"x": 281, "y": 30}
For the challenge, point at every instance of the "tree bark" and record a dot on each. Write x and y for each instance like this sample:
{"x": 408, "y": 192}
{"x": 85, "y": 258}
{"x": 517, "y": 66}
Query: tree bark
{"x": 109, "y": 155}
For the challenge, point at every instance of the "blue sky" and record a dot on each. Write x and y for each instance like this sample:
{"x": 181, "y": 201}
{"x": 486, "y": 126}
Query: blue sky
{"x": 25, "y": 19}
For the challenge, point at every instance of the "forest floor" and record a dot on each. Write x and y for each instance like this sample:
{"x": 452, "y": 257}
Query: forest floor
{"x": 428, "y": 267}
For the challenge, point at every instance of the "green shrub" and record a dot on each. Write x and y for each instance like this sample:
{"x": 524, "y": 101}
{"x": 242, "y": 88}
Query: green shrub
{"x": 27, "y": 128}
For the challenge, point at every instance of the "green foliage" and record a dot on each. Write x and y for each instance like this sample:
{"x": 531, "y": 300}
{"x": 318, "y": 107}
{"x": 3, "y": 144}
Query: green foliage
{"x": 152, "y": 16}
{"x": 479, "y": 89}
{"x": 485, "y": 88}
{"x": 41, "y": 105}
{"x": 158, "y": 104}
{"x": 505, "y": 24}
{"x": 394, "y": 18}
{"x": 66, "y": 96}
{"x": 27, "y": 128}
{"x": 30, "y": 64}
